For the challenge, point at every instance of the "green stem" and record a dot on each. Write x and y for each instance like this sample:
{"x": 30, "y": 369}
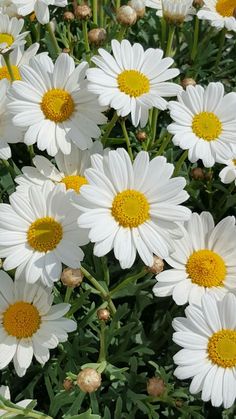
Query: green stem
{"x": 195, "y": 39}
{"x": 121, "y": 33}
{"x": 109, "y": 128}
{"x": 56, "y": 47}
{"x": 38, "y": 33}
{"x": 31, "y": 151}
{"x": 164, "y": 144}
{"x": 9, "y": 168}
{"x": 129, "y": 149}
{"x": 169, "y": 51}
{"x": 8, "y": 64}
{"x": 221, "y": 45}
{"x": 86, "y": 41}
{"x": 154, "y": 124}
{"x": 128, "y": 280}
{"x": 163, "y": 33}
{"x": 95, "y": 11}
{"x": 69, "y": 291}
{"x": 117, "y": 4}
{"x": 102, "y": 352}
{"x": 180, "y": 162}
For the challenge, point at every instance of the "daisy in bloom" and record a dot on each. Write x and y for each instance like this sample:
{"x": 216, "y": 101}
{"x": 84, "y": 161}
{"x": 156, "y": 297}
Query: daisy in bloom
{"x": 8, "y": 132}
{"x": 132, "y": 81}
{"x": 18, "y": 57}
{"x": 175, "y": 11}
{"x": 132, "y": 208}
{"x": 39, "y": 232}
{"x": 10, "y": 36}
{"x": 204, "y": 123}
{"x": 228, "y": 174}
{"x": 70, "y": 169}
{"x": 5, "y": 392}
{"x": 208, "y": 338}
{"x": 29, "y": 325}
{"x": 39, "y": 7}
{"x": 203, "y": 261}
{"x": 220, "y": 13}
{"x": 53, "y": 104}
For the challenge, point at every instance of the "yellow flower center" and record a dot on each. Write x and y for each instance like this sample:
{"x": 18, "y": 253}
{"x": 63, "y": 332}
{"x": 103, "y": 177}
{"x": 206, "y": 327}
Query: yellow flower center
{"x": 6, "y": 38}
{"x": 222, "y": 348}
{"x": 206, "y": 125}
{"x": 4, "y": 73}
{"x": 74, "y": 182}
{"x": 44, "y": 234}
{"x": 21, "y": 320}
{"x": 130, "y": 208}
{"x": 234, "y": 161}
{"x": 133, "y": 83}
{"x": 206, "y": 268}
{"x": 226, "y": 7}
{"x": 57, "y": 105}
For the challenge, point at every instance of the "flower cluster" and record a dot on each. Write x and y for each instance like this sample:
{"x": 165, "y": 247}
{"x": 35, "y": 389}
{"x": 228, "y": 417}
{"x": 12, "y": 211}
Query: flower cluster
{"x": 82, "y": 196}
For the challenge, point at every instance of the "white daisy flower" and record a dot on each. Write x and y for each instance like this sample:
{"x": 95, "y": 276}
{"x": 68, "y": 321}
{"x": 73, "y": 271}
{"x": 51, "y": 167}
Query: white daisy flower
{"x": 203, "y": 261}
{"x": 18, "y": 57}
{"x": 220, "y": 14}
{"x": 204, "y": 123}
{"x": 10, "y": 36}
{"x": 5, "y": 392}
{"x": 228, "y": 173}
{"x": 133, "y": 81}
{"x": 175, "y": 11}
{"x": 208, "y": 336}
{"x": 8, "y": 132}
{"x": 39, "y": 232}
{"x": 40, "y": 7}
{"x": 29, "y": 324}
{"x": 53, "y": 103}
{"x": 69, "y": 169}
{"x": 132, "y": 208}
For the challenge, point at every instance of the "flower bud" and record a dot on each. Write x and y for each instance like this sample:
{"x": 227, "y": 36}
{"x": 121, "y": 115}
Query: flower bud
{"x": 68, "y": 384}
{"x": 126, "y": 16}
{"x": 188, "y": 82}
{"x": 83, "y": 12}
{"x": 89, "y": 380}
{"x": 141, "y": 136}
{"x": 179, "y": 403}
{"x": 208, "y": 176}
{"x": 198, "y": 3}
{"x": 198, "y": 173}
{"x": 71, "y": 277}
{"x": 103, "y": 314}
{"x": 155, "y": 387}
{"x": 69, "y": 16}
{"x": 97, "y": 36}
{"x": 66, "y": 50}
{"x": 138, "y": 6}
{"x": 158, "y": 265}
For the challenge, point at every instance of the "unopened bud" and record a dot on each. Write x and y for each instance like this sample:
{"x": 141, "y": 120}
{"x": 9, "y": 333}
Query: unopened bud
{"x": 208, "y": 176}
{"x": 103, "y": 314}
{"x": 66, "y": 50}
{"x": 198, "y": 3}
{"x": 188, "y": 82}
{"x": 155, "y": 387}
{"x": 71, "y": 277}
{"x": 138, "y": 6}
{"x": 158, "y": 265}
{"x": 89, "y": 380}
{"x": 198, "y": 173}
{"x": 141, "y": 136}
{"x": 126, "y": 15}
{"x": 68, "y": 384}
{"x": 179, "y": 403}
{"x": 97, "y": 36}
{"x": 69, "y": 16}
{"x": 83, "y": 12}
